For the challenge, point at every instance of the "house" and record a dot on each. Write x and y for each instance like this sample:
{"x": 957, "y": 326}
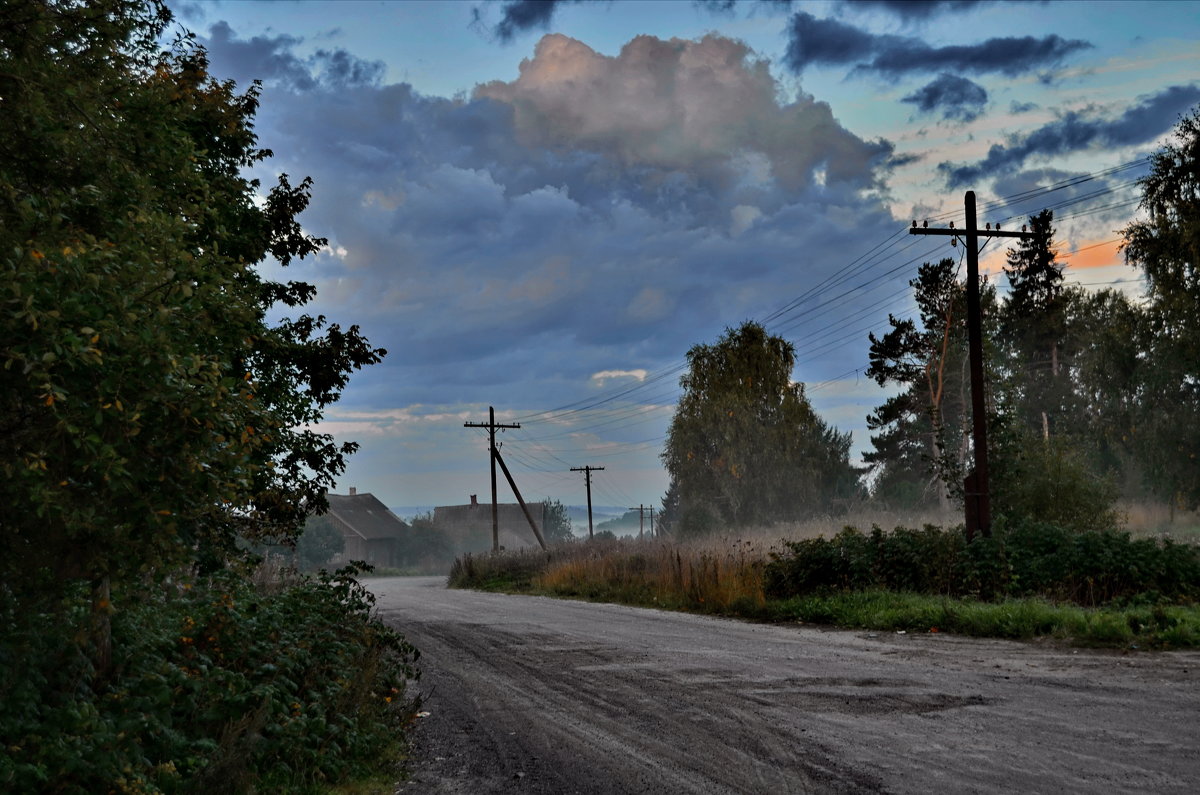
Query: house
{"x": 371, "y": 532}
{"x": 469, "y": 527}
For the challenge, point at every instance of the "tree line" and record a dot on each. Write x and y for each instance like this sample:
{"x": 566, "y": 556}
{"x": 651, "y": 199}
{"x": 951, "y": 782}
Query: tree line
{"x": 1090, "y": 394}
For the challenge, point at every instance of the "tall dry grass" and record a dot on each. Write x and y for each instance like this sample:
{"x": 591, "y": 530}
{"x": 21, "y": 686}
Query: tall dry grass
{"x": 1157, "y": 519}
{"x": 713, "y": 574}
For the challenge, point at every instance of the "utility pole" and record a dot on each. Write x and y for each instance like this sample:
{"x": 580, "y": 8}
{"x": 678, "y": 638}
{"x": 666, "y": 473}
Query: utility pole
{"x": 978, "y": 507}
{"x": 641, "y": 509}
{"x": 492, "y": 426}
{"x": 537, "y": 533}
{"x": 587, "y": 474}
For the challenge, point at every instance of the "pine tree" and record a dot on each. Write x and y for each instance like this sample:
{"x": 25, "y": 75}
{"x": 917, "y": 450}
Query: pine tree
{"x": 1033, "y": 328}
{"x": 921, "y": 443}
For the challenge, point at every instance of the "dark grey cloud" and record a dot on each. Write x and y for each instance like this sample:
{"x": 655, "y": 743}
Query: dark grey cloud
{"x": 340, "y": 68}
{"x": 519, "y": 16}
{"x": 954, "y": 97}
{"x": 917, "y": 9}
{"x": 193, "y": 12}
{"x": 273, "y": 60}
{"x": 1016, "y": 108}
{"x": 830, "y": 42}
{"x": 1077, "y": 130}
{"x": 266, "y": 58}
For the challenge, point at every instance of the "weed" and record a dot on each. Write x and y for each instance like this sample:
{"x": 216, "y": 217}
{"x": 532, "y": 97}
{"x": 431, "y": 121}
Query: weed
{"x": 1018, "y": 584}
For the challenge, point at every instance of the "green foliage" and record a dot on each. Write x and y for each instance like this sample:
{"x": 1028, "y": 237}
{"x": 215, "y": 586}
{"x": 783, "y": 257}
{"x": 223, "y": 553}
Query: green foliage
{"x": 632, "y": 572}
{"x": 919, "y": 447}
{"x": 152, "y": 421}
{"x": 745, "y": 443}
{"x": 424, "y": 548}
{"x": 149, "y": 413}
{"x": 697, "y": 521}
{"x": 1024, "y": 559}
{"x": 318, "y": 544}
{"x": 508, "y": 571}
{"x": 1051, "y": 482}
{"x": 556, "y": 522}
{"x": 1034, "y": 335}
{"x": 1026, "y": 618}
{"x": 220, "y": 687}
{"x": 1166, "y": 246}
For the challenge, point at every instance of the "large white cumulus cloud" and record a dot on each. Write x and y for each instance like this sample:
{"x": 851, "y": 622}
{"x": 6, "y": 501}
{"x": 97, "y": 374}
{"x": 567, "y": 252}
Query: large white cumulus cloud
{"x": 678, "y": 106}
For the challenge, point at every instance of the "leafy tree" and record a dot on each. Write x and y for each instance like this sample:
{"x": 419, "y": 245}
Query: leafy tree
{"x": 1107, "y": 333}
{"x": 556, "y": 522}
{"x": 1166, "y": 246}
{"x": 425, "y": 547}
{"x": 149, "y": 412}
{"x": 745, "y": 446}
{"x": 318, "y": 543}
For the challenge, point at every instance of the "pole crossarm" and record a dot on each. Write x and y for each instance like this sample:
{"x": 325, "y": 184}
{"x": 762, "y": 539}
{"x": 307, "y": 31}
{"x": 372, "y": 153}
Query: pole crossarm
{"x": 492, "y": 426}
{"x": 587, "y": 475}
{"x": 976, "y": 500}
{"x": 951, "y": 232}
{"x": 641, "y": 509}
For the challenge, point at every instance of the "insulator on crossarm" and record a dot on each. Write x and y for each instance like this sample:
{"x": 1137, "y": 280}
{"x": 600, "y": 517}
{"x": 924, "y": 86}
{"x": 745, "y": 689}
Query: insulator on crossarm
{"x": 926, "y": 223}
{"x": 997, "y": 226}
{"x": 914, "y": 223}
{"x": 951, "y": 224}
{"x": 989, "y": 227}
{"x": 954, "y": 242}
{"x": 1022, "y": 227}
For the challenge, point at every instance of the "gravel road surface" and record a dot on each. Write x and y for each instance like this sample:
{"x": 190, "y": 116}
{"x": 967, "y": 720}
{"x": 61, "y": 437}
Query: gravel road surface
{"x": 535, "y": 695}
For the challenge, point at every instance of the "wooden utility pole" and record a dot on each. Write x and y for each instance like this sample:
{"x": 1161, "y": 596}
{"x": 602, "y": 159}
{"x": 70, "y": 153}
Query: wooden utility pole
{"x": 587, "y": 474}
{"x": 537, "y": 533}
{"x": 977, "y": 506}
{"x": 492, "y": 426}
{"x": 641, "y": 509}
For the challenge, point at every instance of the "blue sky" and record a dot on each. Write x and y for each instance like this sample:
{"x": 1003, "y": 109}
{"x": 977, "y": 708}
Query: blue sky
{"x": 542, "y": 206}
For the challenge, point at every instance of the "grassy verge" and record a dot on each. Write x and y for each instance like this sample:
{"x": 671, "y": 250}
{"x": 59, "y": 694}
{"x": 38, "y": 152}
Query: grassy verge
{"x": 728, "y": 576}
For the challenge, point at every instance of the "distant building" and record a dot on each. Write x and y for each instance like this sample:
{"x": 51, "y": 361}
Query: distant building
{"x": 371, "y": 532}
{"x": 469, "y": 527}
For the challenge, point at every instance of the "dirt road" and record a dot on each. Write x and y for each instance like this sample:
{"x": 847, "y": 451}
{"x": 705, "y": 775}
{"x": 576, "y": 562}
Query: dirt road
{"x": 536, "y": 695}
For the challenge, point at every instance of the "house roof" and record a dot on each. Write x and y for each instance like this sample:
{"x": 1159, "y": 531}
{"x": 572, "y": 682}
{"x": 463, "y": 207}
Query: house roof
{"x": 365, "y": 515}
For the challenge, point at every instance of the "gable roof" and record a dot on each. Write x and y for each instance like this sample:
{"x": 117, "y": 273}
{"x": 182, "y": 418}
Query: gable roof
{"x": 365, "y": 515}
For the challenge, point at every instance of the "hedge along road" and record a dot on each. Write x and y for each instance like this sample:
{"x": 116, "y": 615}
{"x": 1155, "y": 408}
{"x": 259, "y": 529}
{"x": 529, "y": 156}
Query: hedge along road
{"x": 537, "y": 695}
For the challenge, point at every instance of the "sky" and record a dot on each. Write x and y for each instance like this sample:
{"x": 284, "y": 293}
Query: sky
{"x": 541, "y": 206}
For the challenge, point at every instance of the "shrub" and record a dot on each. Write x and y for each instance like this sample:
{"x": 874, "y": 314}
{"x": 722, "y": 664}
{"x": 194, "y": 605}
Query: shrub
{"x": 1050, "y": 481}
{"x": 1023, "y": 559}
{"x": 218, "y": 686}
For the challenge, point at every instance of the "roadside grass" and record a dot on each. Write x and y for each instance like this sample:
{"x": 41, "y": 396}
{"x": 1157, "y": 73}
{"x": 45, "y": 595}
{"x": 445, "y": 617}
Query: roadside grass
{"x": 391, "y": 766}
{"x": 730, "y": 577}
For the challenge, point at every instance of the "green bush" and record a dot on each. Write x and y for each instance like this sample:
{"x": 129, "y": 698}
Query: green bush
{"x": 1023, "y": 559}
{"x": 512, "y": 570}
{"x": 1051, "y": 481}
{"x": 214, "y": 687}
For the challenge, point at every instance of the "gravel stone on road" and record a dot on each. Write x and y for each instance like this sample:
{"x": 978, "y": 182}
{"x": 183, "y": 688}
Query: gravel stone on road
{"x": 528, "y": 694}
